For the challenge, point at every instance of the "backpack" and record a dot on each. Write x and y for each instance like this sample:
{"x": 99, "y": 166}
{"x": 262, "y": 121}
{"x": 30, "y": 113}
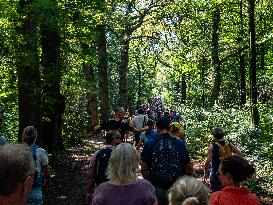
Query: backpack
{"x": 101, "y": 164}
{"x": 38, "y": 176}
{"x": 166, "y": 165}
{"x": 224, "y": 150}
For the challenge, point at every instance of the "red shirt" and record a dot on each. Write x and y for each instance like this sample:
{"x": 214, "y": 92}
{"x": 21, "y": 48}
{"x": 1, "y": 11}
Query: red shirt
{"x": 230, "y": 195}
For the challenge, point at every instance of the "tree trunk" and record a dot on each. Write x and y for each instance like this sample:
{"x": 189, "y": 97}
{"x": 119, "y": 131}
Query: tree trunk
{"x": 242, "y": 79}
{"x": 92, "y": 98}
{"x": 252, "y": 54}
{"x": 139, "y": 87}
{"x": 123, "y": 67}
{"x": 103, "y": 74}
{"x": 215, "y": 56}
{"x": 183, "y": 89}
{"x": 53, "y": 101}
{"x": 242, "y": 60}
{"x": 27, "y": 63}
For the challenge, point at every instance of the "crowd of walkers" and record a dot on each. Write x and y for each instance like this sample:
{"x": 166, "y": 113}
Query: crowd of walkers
{"x": 167, "y": 173}
{"x": 153, "y": 169}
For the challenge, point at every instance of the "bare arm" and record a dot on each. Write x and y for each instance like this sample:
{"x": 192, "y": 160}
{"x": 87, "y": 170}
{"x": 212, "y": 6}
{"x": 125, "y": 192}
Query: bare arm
{"x": 90, "y": 181}
{"x": 155, "y": 202}
{"x": 144, "y": 170}
{"x": 207, "y": 164}
{"x": 236, "y": 151}
{"x": 139, "y": 144}
{"x": 189, "y": 169}
{"x": 46, "y": 171}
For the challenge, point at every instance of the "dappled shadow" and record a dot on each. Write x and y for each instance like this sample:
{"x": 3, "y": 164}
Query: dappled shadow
{"x": 68, "y": 184}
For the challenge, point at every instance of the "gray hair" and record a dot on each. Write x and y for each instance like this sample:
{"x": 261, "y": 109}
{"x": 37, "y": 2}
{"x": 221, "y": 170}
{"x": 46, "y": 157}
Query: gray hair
{"x": 188, "y": 190}
{"x": 16, "y": 163}
{"x": 123, "y": 163}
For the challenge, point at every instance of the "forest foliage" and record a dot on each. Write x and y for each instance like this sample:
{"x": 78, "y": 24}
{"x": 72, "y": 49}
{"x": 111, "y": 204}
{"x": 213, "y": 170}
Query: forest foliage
{"x": 65, "y": 65}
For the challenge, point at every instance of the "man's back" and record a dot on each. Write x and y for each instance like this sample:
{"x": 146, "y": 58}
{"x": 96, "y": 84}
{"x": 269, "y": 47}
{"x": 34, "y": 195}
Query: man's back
{"x": 139, "y": 121}
{"x": 166, "y": 159}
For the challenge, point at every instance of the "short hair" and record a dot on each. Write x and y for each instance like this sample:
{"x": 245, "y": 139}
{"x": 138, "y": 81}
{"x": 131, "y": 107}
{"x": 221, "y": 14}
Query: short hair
{"x": 110, "y": 136}
{"x": 150, "y": 123}
{"x": 119, "y": 109}
{"x": 140, "y": 111}
{"x": 163, "y": 123}
{"x": 123, "y": 163}
{"x": 188, "y": 190}
{"x": 238, "y": 168}
{"x": 29, "y": 135}
{"x": 218, "y": 133}
{"x": 16, "y": 163}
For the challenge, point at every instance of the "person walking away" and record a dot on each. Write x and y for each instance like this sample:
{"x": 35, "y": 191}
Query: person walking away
{"x": 138, "y": 123}
{"x": 233, "y": 170}
{"x": 40, "y": 158}
{"x": 218, "y": 150}
{"x": 16, "y": 173}
{"x": 115, "y": 123}
{"x": 178, "y": 131}
{"x": 164, "y": 159}
{"x": 150, "y": 133}
{"x": 97, "y": 172}
{"x": 124, "y": 187}
{"x": 188, "y": 190}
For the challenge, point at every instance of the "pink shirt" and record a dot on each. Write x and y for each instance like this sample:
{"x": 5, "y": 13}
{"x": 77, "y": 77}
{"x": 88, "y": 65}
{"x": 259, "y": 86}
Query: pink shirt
{"x": 230, "y": 195}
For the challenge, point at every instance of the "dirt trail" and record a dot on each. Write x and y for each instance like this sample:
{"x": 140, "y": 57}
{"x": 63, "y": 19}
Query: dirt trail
{"x": 68, "y": 184}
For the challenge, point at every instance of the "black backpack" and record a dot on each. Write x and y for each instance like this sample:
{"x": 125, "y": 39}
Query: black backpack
{"x": 166, "y": 165}
{"x": 101, "y": 164}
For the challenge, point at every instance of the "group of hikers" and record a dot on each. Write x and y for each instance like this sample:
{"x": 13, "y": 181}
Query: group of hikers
{"x": 154, "y": 168}
{"x": 167, "y": 173}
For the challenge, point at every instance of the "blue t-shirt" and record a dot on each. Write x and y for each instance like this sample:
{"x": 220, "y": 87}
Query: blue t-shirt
{"x": 149, "y": 146}
{"x": 147, "y": 136}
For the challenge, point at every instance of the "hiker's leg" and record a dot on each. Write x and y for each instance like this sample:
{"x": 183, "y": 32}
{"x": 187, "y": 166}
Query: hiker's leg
{"x": 215, "y": 184}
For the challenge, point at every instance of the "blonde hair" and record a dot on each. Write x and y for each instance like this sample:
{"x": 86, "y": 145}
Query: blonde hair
{"x": 188, "y": 190}
{"x": 29, "y": 135}
{"x": 123, "y": 163}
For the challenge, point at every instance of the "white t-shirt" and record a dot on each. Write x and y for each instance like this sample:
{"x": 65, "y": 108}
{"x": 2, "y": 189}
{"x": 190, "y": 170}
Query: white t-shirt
{"x": 41, "y": 158}
{"x": 138, "y": 121}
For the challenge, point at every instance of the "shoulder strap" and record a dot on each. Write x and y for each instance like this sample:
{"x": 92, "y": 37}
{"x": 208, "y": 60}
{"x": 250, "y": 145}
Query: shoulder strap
{"x": 33, "y": 149}
{"x": 144, "y": 121}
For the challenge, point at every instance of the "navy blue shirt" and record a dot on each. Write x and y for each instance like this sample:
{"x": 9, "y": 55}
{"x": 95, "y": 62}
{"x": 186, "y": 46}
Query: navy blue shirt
{"x": 148, "y": 149}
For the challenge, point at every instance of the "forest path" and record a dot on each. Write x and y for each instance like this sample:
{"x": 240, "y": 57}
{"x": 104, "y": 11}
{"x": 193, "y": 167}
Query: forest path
{"x": 68, "y": 184}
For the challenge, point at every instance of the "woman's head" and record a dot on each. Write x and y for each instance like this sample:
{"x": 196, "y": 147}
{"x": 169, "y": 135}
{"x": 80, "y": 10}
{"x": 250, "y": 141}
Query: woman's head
{"x": 29, "y": 135}
{"x": 123, "y": 163}
{"x": 177, "y": 130}
{"x": 234, "y": 170}
{"x": 188, "y": 190}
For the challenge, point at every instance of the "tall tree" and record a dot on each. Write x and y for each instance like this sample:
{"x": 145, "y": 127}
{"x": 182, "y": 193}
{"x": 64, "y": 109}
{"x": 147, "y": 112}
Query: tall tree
{"x": 27, "y": 64}
{"x": 103, "y": 73}
{"x": 52, "y": 101}
{"x": 91, "y": 87}
{"x": 242, "y": 60}
{"x": 215, "y": 54}
{"x": 253, "y": 70}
